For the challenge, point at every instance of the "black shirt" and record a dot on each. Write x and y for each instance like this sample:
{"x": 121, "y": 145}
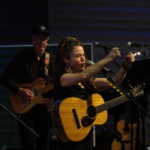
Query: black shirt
{"x": 60, "y": 93}
{"x": 25, "y": 68}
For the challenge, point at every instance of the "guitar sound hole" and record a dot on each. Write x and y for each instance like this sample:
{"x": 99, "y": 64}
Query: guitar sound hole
{"x": 91, "y": 111}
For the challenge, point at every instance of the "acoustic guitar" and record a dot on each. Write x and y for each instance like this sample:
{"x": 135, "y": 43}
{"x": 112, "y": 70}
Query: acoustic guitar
{"x": 74, "y": 117}
{"x": 128, "y": 132}
{"x": 38, "y": 87}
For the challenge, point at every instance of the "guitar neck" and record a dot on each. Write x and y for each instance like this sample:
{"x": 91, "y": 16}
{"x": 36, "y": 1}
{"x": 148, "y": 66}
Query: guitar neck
{"x": 111, "y": 103}
{"x": 46, "y": 88}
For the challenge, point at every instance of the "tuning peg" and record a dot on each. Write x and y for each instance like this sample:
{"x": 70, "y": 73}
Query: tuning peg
{"x": 131, "y": 86}
{"x": 143, "y": 85}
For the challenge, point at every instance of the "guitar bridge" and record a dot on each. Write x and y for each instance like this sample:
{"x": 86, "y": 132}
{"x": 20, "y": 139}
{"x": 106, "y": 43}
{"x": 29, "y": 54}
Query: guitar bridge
{"x": 76, "y": 118}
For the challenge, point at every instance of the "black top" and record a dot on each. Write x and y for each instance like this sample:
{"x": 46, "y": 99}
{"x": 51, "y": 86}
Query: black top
{"x": 25, "y": 68}
{"x": 61, "y": 93}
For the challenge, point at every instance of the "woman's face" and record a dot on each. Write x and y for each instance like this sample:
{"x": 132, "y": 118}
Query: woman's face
{"x": 77, "y": 59}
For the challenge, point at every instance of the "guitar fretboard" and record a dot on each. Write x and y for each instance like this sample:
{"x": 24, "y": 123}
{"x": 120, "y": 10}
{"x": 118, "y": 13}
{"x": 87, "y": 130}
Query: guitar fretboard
{"x": 112, "y": 103}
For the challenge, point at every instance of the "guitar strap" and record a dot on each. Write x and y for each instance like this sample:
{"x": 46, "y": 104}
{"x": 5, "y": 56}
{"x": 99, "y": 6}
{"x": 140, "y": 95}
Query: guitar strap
{"x": 46, "y": 62}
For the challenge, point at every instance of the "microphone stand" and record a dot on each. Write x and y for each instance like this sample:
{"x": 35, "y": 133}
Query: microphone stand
{"x": 142, "y": 114}
{"x": 141, "y": 51}
{"x": 20, "y": 121}
{"x": 140, "y": 108}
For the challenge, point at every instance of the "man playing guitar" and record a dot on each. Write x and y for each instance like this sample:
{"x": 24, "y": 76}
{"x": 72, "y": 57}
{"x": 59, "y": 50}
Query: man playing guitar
{"x": 29, "y": 71}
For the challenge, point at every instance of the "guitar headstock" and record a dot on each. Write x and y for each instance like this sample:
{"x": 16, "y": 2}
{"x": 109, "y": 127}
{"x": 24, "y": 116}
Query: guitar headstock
{"x": 137, "y": 91}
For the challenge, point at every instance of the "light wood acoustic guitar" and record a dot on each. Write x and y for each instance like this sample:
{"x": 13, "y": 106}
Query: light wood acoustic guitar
{"x": 74, "y": 117}
{"x": 38, "y": 87}
{"x": 128, "y": 132}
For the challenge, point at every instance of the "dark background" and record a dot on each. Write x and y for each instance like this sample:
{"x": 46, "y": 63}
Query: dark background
{"x": 110, "y": 22}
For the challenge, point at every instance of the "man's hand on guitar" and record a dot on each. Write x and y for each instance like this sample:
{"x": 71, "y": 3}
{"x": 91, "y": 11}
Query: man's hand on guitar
{"x": 26, "y": 94}
{"x": 29, "y": 95}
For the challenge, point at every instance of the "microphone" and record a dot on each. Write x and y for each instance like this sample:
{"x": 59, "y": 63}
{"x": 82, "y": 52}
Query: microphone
{"x": 104, "y": 70}
{"x": 102, "y": 46}
{"x": 129, "y": 44}
{"x": 89, "y": 62}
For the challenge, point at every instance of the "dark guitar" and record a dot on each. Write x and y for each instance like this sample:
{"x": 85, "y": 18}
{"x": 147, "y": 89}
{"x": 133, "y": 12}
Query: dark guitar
{"x": 74, "y": 117}
{"x": 38, "y": 87}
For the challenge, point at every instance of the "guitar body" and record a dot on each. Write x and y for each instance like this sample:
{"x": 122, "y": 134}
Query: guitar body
{"x": 126, "y": 137}
{"x": 67, "y": 116}
{"x": 74, "y": 117}
{"x": 22, "y": 106}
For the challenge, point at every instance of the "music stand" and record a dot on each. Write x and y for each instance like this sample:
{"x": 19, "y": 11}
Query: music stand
{"x": 139, "y": 74}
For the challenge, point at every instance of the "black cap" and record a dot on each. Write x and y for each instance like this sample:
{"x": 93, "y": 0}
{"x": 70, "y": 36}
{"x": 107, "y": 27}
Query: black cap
{"x": 40, "y": 30}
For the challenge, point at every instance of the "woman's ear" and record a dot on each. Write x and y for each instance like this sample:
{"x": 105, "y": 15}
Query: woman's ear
{"x": 66, "y": 60}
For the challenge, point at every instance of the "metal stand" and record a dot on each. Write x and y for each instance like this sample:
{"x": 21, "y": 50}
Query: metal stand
{"x": 19, "y": 120}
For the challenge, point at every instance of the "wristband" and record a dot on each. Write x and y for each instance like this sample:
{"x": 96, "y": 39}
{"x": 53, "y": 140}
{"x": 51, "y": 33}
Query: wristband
{"x": 126, "y": 68}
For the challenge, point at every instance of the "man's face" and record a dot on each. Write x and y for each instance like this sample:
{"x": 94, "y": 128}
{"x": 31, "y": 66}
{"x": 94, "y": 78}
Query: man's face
{"x": 40, "y": 42}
